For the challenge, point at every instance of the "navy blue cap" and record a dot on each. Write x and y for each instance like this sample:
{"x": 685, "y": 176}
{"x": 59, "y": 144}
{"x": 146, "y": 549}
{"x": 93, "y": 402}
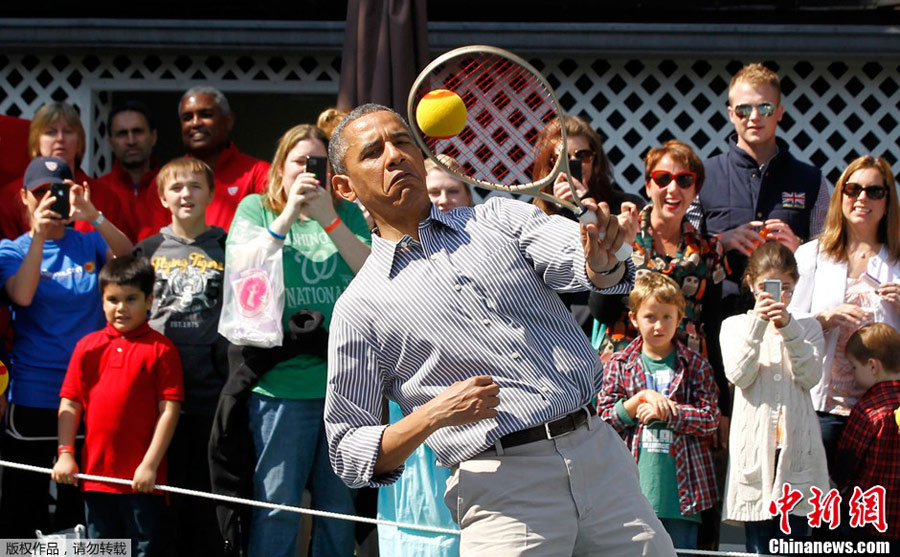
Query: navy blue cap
{"x": 46, "y": 170}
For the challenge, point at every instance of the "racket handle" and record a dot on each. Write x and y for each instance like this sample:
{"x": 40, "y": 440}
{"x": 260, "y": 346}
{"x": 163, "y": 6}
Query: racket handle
{"x": 624, "y": 251}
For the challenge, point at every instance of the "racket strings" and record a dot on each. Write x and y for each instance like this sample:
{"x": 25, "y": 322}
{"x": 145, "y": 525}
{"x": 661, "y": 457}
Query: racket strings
{"x": 508, "y": 107}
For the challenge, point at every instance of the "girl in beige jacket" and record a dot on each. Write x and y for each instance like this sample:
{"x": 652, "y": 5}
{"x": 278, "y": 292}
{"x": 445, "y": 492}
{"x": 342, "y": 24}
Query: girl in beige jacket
{"x": 773, "y": 359}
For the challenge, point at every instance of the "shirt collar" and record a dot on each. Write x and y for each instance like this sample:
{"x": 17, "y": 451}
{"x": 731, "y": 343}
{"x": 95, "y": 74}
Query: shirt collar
{"x": 743, "y": 158}
{"x": 228, "y": 153}
{"x": 632, "y": 353}
{"x": 384, "y": 252}
{"x": 143, "y": 329}
{"x": 147, "y": 177}
{"x": 877, "y": 388}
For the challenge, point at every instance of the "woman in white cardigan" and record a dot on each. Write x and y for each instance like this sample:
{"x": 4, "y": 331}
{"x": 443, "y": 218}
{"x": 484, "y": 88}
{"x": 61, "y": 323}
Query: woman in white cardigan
{"x": 850, "y": 277}
{"x": 773, "y": 359}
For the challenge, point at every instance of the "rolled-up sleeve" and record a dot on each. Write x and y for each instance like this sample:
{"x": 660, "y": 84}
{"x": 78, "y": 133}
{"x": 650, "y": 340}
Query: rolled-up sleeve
{"x": 353, "y": 407}
{"x": 552, "y": 244}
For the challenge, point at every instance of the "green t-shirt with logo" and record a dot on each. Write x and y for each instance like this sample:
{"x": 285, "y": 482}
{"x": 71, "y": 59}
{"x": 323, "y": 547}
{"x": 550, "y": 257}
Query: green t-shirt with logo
{"x": 315, "y": 275}
{"x": 656, "y": 463}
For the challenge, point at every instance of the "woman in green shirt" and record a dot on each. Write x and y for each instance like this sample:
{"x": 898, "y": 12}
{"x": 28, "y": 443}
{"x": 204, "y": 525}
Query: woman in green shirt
{"x": 325, "y": 242}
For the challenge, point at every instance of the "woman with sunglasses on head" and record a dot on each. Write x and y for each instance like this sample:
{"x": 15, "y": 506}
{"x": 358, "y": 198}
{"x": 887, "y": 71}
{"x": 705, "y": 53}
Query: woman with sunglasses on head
{"x": 584, "y": 145}
{"x": 850, "y": 277}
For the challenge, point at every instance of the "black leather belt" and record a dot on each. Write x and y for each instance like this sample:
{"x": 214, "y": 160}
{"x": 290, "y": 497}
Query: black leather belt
{"x": 549, "y": 430}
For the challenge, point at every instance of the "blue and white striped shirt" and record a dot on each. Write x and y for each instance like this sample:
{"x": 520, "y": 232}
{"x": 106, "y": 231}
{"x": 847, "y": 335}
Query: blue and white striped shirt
{"x": 475, "y": 296}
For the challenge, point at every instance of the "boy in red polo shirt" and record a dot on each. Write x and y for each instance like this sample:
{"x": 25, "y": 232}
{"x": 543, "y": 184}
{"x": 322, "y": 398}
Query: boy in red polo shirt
{"x": 126, "y": 380}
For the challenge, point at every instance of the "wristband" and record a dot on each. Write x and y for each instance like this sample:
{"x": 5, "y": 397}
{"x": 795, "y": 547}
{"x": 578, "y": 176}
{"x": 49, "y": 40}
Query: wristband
{"x": 334, "y": 224}
{"x": 65, "y": 449}
{"x": 608, "y": 271}
{"x": 276, "y": 235}
{"x": 100, "y": 220}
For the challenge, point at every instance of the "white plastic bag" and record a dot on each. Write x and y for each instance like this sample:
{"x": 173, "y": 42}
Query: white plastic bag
{"x": 253, "y": 300}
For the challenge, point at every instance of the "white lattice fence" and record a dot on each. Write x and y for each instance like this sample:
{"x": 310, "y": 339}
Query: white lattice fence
{"x": 28, "y": 81}
{"x": 835, "y": 110}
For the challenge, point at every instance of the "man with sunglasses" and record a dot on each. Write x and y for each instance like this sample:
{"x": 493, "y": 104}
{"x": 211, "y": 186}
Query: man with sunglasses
{"x": 757, "y": 191}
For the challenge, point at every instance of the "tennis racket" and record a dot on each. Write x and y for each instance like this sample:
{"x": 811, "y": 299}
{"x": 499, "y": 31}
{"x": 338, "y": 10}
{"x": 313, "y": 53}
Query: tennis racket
{"x": 509, "y": 102}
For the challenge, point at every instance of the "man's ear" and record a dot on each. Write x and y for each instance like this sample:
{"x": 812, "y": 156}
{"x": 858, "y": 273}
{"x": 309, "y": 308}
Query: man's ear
{"x": 633, "y": 318}
{"x": 154, "y": 136}
{"x": 341, "y": 185}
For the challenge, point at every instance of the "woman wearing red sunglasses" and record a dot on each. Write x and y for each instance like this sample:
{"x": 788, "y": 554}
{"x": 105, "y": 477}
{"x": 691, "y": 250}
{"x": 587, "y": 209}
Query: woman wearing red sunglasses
{"x": 583, "y": 143}
{"x": 668, "y": 243}
{"x": 850, "y": 277}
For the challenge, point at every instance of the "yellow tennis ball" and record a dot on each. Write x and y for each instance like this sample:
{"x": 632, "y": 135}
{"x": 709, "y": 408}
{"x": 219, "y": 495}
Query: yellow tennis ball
{"x": 441, "y": 114}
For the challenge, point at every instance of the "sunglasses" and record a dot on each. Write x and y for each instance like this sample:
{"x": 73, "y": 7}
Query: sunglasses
{"x": 684, "y": 180}
{"x": 585, "y": 156}
{"x": 852, "y": 189}
{"x": 744, "y": 110}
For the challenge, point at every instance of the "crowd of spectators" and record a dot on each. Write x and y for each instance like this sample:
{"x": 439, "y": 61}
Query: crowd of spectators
{"x": 756, "y": 349}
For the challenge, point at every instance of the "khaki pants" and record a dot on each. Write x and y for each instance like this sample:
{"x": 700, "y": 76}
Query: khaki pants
{"x": 574, "y": 495}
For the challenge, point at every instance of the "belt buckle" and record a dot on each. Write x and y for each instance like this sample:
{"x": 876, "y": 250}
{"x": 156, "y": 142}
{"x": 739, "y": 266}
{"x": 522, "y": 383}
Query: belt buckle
{"x": 550, "y": 435}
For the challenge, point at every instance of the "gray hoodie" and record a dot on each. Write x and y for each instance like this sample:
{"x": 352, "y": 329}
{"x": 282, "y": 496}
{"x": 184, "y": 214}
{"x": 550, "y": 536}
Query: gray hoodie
{"x": 187, "y": 301}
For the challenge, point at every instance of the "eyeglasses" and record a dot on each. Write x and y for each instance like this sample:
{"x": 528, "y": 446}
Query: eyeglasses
{"x": 852, "y": 189}
{"x": 684, "y": 180}
{"x": 585, "y": 156}
{"x": 744, "y": 110}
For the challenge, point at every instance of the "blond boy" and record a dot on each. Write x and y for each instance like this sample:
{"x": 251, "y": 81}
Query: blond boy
{"x": 661, "y": 397}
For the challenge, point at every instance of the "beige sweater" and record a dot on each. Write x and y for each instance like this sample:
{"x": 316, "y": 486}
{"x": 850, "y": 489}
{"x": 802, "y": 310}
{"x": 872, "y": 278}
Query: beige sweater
{"x": 772, "y": 372}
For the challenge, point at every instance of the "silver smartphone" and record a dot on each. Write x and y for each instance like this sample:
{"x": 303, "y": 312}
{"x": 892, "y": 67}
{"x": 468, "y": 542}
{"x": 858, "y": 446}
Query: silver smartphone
{"x": 773, "y": 287}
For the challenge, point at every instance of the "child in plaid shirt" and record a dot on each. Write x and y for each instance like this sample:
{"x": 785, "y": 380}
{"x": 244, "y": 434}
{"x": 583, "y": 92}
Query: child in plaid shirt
{"x": 869, "y": 450}
{"x": 661, "y": 397}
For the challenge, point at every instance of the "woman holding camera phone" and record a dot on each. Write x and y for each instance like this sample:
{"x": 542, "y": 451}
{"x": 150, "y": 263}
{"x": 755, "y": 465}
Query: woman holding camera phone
{"x": 325, "y": 244}
{"x": 849, "y": 277}
{"x": 50, "y": 275}
{"x": 591, "y": 176}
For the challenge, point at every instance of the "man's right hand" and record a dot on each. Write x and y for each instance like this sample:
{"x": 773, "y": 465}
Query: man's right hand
{"x": 44, "y": 218}
{"x": 743, "y": 238}
{"x": 465, "y": 402}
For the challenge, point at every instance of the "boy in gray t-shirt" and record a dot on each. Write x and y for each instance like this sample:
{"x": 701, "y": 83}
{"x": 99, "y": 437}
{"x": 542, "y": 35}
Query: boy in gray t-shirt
{"x": 189, "y": 261}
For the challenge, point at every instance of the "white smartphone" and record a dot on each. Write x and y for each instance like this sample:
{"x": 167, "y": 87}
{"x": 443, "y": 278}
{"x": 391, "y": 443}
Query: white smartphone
{"x": 773, "y": 287}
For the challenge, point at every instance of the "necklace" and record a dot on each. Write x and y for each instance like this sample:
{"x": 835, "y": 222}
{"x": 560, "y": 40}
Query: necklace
{"x": 863, "y": 253}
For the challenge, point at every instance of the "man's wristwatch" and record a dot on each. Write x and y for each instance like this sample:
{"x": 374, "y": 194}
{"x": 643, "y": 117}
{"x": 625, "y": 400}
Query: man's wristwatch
{"x": 99, "y": 220}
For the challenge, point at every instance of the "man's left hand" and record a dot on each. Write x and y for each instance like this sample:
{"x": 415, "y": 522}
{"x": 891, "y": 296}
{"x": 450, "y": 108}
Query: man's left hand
{"x": 602, "y": 240}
